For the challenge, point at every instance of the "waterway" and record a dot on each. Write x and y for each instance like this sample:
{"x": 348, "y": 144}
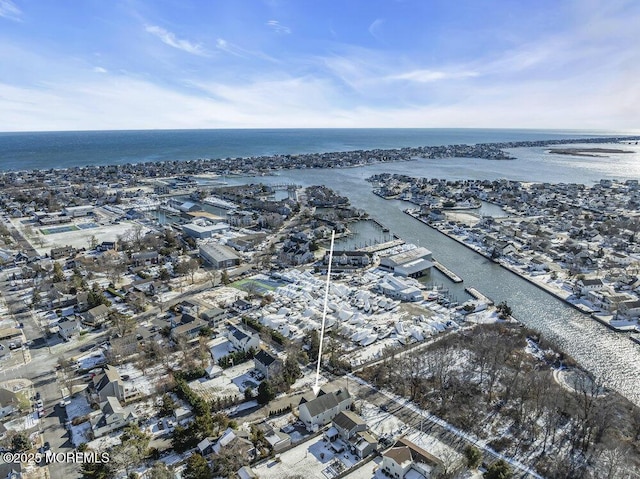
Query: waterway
{"x": 605, "y": 353}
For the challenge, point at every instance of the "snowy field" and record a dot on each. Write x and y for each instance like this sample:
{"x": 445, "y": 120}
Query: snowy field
{"x": 231, "y": 383}
{"x": 79, "y": 238}
{"x": 145, "y": 383}
{"x": 380, "y": 423}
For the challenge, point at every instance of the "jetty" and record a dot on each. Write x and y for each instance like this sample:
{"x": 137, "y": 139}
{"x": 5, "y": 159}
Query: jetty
{"x": 479, "y": 296}
{"x": 447, "y": 272}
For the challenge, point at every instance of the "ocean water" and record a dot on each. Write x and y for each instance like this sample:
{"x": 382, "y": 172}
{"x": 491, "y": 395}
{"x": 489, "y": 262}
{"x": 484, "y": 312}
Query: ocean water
{"x": 42, "y": 150}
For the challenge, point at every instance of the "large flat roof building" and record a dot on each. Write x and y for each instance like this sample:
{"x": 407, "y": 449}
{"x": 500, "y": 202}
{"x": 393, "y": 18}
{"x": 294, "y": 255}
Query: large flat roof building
{"x": 202, "y": 230}
{"x": 219, "y": 256}
{"x": 412, "y": 263}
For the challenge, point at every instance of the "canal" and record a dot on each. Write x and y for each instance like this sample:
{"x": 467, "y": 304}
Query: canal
{"x": 605, "y": 353}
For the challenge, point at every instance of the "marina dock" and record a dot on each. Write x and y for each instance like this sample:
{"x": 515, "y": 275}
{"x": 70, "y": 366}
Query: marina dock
{"x": 479, "y": 296}
{"x": 382, "y": 246}
{"x": 447, "y": 272}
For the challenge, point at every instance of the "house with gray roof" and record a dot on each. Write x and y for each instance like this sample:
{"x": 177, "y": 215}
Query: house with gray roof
{"x": 406, "y": 459}
{"x": 96, "y": 316}
{"x": 243, "y": 340}
{"x": 320, "y": 411}
{"x": 111, "y": 417}
{"x": 267, "y": 364}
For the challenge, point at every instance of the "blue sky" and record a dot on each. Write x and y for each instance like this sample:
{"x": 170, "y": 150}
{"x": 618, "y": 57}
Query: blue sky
{"x": 146, "y": 64}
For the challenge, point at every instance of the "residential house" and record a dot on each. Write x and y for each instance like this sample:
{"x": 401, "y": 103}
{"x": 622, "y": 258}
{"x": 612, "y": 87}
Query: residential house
{"x": 145, "y": 258}
{"x": 362, "y": 444}
{"x": 320, "y": 411}
{"x": 347, "y": 260}
{"x": 405, "y": 458}
{"x": 62, "y": 252}
{"x": 96, "y": 316}
{"x": 236, "y": 442}
{"x": 246, "y": 242}
{"x": 268, "y": 364}
{"x": 189, "y": 330}
{"x": 584, "y": 286}
{"x": 69, "y": 328}
{"x": 206, "y": 445}
{"x": 213, "y": 315}
{"x": 106, "y": 246}
{"x": 9, "y": 402}
{"x": 629, "y": 309}
{"x": 241, "y": 305}
{"x": 110, "y": 383}
{"x": 347, "y": 424}
{"x": 111, "y": 417}
{"x": 243, "y": 340}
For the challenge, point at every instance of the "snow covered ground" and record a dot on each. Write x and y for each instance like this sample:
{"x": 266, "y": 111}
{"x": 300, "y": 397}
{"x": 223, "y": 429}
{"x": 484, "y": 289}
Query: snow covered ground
{"x": 145, "y": 383}
{"x": 23, "y": 423}
{"x": 78, "y": 406}
{"x": 232, "y": 382}
{"x": 80, "y": 433}
{"x": 311, "y": 459}
{"x": 220, "y": 347}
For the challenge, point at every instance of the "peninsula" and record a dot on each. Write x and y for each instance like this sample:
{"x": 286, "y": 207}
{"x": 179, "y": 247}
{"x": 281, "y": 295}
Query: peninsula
{"x": 166, "y": 320}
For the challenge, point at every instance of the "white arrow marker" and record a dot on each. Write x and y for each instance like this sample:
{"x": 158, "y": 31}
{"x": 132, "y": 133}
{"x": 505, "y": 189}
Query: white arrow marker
{"x": 316, "y": 388}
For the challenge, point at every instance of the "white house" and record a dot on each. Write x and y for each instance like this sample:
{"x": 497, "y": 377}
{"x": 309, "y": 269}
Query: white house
{"x": 111, "y": 417}
{"x": 320, "y": 411}
{"x": 406, "y": 459}
{"x": 584, "y": 286}
{"x": 69, "y": 329}
{"x": 243, "y": 340}
{"x": 629, "y": 309}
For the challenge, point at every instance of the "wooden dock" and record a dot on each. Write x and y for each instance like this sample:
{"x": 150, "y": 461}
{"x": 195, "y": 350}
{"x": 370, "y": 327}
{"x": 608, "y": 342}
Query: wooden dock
{"x": 382, "y": 246}
{"x": 447, "y": 272}
{"x": 479, "y": 296}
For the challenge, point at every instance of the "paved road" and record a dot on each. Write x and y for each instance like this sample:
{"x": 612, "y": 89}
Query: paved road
{"x": 41, "y": 370}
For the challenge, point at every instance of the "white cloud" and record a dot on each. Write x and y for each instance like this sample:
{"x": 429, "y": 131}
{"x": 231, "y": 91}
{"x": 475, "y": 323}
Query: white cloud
{"x": 9, "y": 11}
{"x": 123, "y": 102}
{"x": 171, "y": 40}
{"x": 427, "y": 76}
{"x": 99, "y": 70}
{"x": 375, "y": 26}
{"x": 278, "y": 28}
{"x": 238, "y": 51}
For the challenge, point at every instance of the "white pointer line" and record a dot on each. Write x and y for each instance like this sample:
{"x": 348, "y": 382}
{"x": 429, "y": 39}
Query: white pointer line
{"x": 316, "y": 388}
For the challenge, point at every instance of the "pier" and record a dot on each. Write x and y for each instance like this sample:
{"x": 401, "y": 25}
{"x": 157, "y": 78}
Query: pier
{"x": 479, "y": 296}
{"x": 382, "y": 246}
{"x": 447, "y": 272}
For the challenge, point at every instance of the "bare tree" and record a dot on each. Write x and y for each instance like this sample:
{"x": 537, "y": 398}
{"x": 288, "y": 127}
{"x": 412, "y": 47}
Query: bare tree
{"x": 122, "y": 323}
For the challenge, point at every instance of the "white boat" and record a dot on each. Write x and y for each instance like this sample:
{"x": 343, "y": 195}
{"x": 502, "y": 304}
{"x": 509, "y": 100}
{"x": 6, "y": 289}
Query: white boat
{"x": 369, "y": 339}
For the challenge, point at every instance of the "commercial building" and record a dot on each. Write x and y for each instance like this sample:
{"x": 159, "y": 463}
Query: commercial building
{"x": 219, "y": 256}
{"x": 412, "y": 263}
{"x": 202, "y": 229}
{"x": 76, "y": 211}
